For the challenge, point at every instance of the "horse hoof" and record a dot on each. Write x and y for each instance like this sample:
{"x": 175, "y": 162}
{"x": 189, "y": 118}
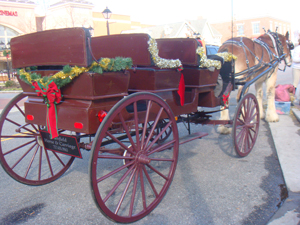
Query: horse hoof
{"x": 223, "y": 130}
{"x": 272, "y": 118}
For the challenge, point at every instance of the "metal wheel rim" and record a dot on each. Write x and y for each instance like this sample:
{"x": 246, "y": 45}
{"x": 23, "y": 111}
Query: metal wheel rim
{"x": 137, "y": 168}
{"x": 246, "y": 125}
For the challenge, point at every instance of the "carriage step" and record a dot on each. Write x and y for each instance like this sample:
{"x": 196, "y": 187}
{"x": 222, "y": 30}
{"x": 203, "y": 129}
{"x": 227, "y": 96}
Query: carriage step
{"x": 192, "y": 137}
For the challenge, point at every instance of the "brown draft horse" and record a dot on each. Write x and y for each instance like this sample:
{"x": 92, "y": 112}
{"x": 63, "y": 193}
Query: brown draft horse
{"x": 254, "y": 57}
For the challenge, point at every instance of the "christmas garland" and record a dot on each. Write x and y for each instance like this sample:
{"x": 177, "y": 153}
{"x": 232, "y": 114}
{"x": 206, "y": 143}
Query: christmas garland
{"x": 48, "y": 87}
{"x": 68, "y": 73}
{"x": 161, "y": 62}
{"x": 205, "y": 62}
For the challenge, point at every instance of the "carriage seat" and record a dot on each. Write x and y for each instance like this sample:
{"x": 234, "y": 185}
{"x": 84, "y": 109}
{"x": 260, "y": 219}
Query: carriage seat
{"x": 134, "y": 46}
{"x": 58, "y": 47}
{"x": 144, "y": 76}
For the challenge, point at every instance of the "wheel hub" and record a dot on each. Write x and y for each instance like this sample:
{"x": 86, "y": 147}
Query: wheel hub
{"x": 40, "y": 141}
{"x": 143, "y": 159}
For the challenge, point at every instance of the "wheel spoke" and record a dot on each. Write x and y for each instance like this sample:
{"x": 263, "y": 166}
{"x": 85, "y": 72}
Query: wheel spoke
{"x": 150, "y": 181}
{"x": 9, "y": 137}
{"x": 22, "y": 112}
{"x": 241, "y": 140}
{"x": 114, "y": 172}
{"x": 49, "y": 163}
{"x": 145, "y": 122}
{"x": 22, "y": 157}
{"x": 253, "y": 116}
{"x": 158, "y": 136}
{"x": 127, "y": 131}
{"x": 156, "y": 171}
{"x": 19, "y": 125}
{"x": 136, "y": 124}
{"x": 115, "y": 157}
{"x": 125, "y": 191}
{"x": 31, "y": 161}
{"x": 21, "y": 146}
{"x": 62, "y": 163}
{"x": 143, "y": 189}
{"x": 119, "y": 142}
{"x": 40, "y": 163}
{"x": 117, "y": 184}
{"x": 162, "y": 147}
{"x": 163, "y": 160}
{"x": 153, "y": 127}
{"x": 134, "y": 191}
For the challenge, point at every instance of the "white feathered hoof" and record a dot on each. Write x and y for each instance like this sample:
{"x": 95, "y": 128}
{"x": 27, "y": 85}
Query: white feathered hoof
{"x": 224, "y": 130}
{"x": 272, "y": 117}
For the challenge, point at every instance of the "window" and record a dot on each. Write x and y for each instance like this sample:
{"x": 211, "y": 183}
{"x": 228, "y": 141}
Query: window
{"x": 255, "y": 28}
{"x": 240, "y": 29}
{"x": 276, "y": 26}
{"x": 6, "y": 34}
{"x": 280, "y": 28}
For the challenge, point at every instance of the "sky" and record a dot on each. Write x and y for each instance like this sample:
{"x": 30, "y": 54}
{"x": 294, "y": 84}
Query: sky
{"x": 159, "y": 12}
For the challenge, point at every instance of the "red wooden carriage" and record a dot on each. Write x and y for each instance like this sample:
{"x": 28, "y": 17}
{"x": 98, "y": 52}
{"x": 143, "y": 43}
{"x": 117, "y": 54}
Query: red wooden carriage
{"x": 134, "y": 148}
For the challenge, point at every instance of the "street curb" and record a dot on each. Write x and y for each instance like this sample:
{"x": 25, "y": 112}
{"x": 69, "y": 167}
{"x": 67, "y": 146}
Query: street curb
{"x": 5, "y": 92}
{"x": 296, "y": 112}
{"x": 288, "y": 213}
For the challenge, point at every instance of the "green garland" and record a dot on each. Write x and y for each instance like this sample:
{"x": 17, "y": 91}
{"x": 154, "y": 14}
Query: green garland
{"x": 65, "y": 76}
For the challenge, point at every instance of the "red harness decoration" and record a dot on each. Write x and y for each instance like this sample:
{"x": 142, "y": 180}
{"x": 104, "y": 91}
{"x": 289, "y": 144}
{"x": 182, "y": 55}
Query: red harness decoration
{"x": 52, "y": 96}
{"x": 226, "y": 99}
{"x": 181, "y": 87}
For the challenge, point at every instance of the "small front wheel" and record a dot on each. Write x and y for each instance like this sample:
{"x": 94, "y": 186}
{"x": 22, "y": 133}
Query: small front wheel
{"x": 246, "y": 125}
{"x": 130, "y": 168}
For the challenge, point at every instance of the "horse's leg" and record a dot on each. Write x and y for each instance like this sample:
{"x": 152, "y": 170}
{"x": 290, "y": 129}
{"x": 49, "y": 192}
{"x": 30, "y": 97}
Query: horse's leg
{"x": 271, "y": 115}
{"x": 259, "y": 96}
{"x": 224, "y": 115}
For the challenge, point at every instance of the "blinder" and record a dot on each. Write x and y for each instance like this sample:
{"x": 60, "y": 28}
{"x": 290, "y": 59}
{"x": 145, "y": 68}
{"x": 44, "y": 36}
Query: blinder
{"x": 290, "y": 45}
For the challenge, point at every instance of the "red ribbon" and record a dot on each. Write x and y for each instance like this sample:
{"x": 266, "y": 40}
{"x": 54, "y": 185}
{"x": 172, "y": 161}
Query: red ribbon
{"x": 181, "y": 87}
{"x": 52, "y": 96}
{"x": 226, "y": 99}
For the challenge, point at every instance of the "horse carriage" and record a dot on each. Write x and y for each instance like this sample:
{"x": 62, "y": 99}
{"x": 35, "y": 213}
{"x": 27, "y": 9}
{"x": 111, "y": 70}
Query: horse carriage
{"x": 120, "y": 97}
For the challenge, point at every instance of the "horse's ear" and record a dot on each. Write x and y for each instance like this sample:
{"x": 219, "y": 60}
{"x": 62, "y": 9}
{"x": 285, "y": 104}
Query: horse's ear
{"x": 287, "y": 35}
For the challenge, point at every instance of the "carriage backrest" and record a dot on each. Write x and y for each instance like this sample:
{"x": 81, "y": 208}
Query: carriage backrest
{"x": 134, "y": 46}
{"x": 57, "y": 47}
{"x": 183, "y": 49}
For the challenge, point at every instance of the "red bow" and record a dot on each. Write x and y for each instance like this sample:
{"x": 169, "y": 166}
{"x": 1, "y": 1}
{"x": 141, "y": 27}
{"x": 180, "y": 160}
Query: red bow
{"x": 226, "y": 99}
{"x": 52, "y": 96}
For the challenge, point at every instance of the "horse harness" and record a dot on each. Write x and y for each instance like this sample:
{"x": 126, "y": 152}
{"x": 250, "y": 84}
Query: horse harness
{"x": 261, "y": 65}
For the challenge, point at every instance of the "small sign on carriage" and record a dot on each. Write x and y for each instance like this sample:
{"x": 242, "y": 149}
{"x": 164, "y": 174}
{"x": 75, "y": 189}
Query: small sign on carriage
{"x": 64, "y": 144}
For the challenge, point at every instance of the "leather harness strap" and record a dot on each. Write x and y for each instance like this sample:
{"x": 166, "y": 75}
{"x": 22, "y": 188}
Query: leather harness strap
{"x": 261, "y": 64}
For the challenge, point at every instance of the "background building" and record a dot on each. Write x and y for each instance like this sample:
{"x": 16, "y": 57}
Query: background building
{"x": 192, "y": 28}
{"x": 251, "y": 28}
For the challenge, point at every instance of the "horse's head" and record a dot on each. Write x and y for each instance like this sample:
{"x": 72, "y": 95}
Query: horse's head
{"x": 280, "y": 45}
{"x": 288, "y": 46}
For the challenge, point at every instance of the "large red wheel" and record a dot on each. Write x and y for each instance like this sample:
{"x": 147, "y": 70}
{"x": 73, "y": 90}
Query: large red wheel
{"x": 22, "y": 154}
{"x": 130, "y": 176}
{"x": 246, "y": 125}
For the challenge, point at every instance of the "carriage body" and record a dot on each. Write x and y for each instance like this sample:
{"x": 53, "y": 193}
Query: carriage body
{"x": 90, "y": 93}
{"x": 139, "y": 134}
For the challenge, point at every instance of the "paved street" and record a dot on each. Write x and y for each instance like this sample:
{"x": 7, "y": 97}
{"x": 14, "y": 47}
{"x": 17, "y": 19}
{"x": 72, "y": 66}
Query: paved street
{"x": 211, "y": 186}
